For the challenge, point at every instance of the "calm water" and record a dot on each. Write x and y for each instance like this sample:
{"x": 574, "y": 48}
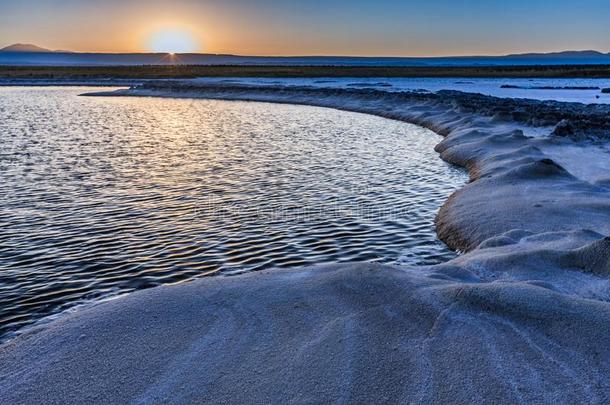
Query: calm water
{"x": 587, "y": 91}
{"x": 101, "y": 196}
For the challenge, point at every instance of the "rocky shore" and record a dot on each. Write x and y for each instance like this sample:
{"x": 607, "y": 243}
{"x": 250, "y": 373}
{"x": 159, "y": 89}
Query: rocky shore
{"x": 523, "y": 316}
{"x": 588, "y": 120}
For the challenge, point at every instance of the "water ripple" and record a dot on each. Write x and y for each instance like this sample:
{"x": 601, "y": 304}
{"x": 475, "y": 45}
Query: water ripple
{"x": 106, "y": 196}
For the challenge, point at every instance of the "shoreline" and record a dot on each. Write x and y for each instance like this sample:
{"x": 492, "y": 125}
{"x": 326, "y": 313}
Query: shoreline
{"x": 527, "y": 303}
{"x": 465, "y": 121}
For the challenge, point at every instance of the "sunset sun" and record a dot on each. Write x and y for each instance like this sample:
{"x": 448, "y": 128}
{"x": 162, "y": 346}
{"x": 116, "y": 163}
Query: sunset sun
{"x": 172, "y": 40}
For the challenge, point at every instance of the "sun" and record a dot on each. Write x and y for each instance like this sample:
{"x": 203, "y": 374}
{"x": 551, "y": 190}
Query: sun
{"x": 172, "y": 40}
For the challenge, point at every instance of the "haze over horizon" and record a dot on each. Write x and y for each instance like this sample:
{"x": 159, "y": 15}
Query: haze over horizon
{"x": 34, "y": 48}
{"x": 284, "y": 28}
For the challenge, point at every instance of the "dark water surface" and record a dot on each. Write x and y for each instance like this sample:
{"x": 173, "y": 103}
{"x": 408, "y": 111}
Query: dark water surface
{"x": 101, "y": 196}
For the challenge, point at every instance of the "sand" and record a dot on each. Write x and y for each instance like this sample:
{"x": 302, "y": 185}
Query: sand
{"x": 523, "y": 316}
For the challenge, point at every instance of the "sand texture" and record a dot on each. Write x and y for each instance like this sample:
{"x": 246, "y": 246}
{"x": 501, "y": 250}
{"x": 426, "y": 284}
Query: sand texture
{"x": 523, "y": 316}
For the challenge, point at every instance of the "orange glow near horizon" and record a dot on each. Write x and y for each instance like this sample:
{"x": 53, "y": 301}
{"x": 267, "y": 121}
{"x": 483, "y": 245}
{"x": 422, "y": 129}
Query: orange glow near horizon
{"x": 285, "y": 27}
{"x": 172, "y": 40}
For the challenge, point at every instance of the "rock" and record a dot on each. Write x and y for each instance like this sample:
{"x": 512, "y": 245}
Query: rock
{"x": 501, "y": 116}
{"x": 563, "y": 128}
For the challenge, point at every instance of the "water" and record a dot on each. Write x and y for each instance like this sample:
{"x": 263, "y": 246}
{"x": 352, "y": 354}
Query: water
{"x": 587, "y": 91}
{"x": 101, "y": 196}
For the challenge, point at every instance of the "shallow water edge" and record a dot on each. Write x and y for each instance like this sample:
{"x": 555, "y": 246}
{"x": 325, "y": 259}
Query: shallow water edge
{"x": 107, "y": 196}
{"x": 523, "y": 316}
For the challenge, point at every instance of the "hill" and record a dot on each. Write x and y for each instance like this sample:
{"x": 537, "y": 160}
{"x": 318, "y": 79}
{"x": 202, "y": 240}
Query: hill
{"x": 24, "y": 48}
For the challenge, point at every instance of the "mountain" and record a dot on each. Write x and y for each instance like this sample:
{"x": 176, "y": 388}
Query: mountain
{"x": 32, "y": 55}
{"x": 24, "y": 48}
{"x": 563, "y": 54}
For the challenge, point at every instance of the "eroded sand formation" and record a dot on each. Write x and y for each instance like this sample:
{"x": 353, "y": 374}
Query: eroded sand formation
{"x": 523, "y": 315}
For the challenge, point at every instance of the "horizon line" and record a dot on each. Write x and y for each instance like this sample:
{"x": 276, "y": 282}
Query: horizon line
{"x": 321, "y": 55}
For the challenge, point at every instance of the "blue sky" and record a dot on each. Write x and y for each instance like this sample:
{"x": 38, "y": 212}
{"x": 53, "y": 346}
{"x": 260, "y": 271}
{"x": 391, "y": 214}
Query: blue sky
{"x": 357, "y": 27}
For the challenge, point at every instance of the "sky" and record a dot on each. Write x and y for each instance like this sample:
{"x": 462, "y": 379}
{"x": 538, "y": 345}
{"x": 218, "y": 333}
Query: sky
{"x": 309, "y": 27}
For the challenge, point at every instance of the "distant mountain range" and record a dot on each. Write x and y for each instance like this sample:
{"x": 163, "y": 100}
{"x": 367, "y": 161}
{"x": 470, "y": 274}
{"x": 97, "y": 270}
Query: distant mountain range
{"x": 564, "y": 54}
{"x": 33, "y": 55}
{"x": 24, "y": 48}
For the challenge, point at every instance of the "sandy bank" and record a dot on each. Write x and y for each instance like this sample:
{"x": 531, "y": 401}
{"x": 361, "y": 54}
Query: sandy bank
{"x": 357, "y": 333}
{"x": 524, "y": 315}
